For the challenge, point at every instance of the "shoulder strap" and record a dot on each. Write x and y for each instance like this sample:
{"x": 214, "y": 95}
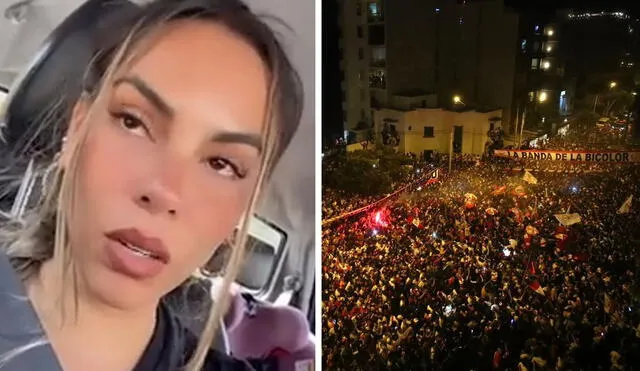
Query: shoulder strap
{"x": 23, "y": 345}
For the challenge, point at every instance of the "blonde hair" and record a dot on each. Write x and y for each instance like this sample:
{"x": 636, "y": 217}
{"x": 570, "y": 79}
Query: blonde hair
{"x": 43, "y": 232}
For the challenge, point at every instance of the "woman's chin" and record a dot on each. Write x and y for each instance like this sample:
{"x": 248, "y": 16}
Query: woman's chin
{"x": 119, "y": 291}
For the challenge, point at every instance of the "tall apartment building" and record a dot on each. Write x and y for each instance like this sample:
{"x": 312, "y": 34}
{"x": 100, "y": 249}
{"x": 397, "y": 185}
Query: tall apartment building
{"x": 421, "y": 53}
{"x": 541, "y": 92}
{"x": 610, "y": 42}
{"x": 567, "y": 59}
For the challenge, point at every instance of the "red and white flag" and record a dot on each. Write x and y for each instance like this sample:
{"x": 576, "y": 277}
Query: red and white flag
{"x": 535, "y": 286}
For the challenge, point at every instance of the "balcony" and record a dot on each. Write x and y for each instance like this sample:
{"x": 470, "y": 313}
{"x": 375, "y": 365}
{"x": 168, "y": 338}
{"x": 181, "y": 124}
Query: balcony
{"x": 378, "y": 79}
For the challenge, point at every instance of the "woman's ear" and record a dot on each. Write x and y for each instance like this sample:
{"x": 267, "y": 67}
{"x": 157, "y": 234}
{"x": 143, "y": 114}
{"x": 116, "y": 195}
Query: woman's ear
{"x": 78, "y": 116}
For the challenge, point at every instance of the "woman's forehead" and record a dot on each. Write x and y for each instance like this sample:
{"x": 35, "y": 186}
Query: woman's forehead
{"x": 202, "y": 69}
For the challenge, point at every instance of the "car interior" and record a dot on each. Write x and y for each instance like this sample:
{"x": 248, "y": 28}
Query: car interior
{"x": 45, "y": 45}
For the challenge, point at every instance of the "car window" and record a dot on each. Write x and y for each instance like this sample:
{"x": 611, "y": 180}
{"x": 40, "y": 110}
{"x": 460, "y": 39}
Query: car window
{"x": 265, "y": 245}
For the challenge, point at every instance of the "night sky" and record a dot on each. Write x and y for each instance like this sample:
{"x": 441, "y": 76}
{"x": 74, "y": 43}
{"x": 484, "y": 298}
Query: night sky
{"x": 331, "y": 98}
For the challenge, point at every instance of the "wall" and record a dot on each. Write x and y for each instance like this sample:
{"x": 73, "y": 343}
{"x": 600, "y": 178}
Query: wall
{"x": 355, "y": 83}
{"x": 411, "y": 42}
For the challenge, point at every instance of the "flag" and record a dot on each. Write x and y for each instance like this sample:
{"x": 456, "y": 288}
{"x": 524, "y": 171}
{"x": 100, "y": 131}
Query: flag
{"x": 529, "y": 178}
{"x": 608, "y": 304}
{"x": 568, "y": 219}
{"x": 519, "y": 191}
{"x": 499, "y": 190}
{"x": 416, "y": 222}
{"x": 535, "y": 286}
{"x": 626, "y": 206}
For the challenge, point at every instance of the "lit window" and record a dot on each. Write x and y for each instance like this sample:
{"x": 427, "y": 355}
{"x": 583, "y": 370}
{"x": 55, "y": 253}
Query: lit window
{"x": 535, "y": 63}
{"x": 373, "y": 9}
{"x": 374, "y": 12}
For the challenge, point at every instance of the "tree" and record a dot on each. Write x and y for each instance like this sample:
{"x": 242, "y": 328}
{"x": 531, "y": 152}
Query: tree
{"x": 367, "y": 172}
{"x": 615, "y": 101}
{"x": 585, "y": 119}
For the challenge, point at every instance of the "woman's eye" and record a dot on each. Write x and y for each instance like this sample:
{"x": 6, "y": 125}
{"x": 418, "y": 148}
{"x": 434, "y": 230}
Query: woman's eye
{"x": 225, "y": 168}
{"x": 131, "y": 123}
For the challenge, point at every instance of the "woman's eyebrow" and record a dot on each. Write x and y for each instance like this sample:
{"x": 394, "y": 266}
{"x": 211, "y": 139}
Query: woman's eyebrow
{"x": 149, "y": 93}
{"x": 250, "y": 139}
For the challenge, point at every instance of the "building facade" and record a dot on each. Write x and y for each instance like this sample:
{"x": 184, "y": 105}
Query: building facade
{"x": 414, "y": 54}
{"x": 542, "y": 93}
{"x": 425, "y": 131}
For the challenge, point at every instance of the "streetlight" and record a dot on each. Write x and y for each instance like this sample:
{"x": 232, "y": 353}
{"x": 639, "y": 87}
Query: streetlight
{"x": 543, "y": 96}
{"x": 612, "y": 85}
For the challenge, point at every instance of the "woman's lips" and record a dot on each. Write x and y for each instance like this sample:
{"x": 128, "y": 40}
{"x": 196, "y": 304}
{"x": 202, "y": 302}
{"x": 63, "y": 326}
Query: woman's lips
{"x": 136, "y": 241}
{"x": 131, "y": 253}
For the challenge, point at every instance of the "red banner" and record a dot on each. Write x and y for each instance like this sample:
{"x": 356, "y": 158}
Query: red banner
{"x": 572, "y": 156}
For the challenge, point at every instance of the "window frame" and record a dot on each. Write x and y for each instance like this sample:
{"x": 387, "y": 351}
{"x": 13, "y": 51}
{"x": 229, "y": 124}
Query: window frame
{"x": 424, "y": 133}
{"x": 276, "y": 266}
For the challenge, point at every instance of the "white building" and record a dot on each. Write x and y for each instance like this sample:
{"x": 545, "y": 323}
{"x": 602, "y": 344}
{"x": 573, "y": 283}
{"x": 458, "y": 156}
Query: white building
{"x": 425, "y": 130}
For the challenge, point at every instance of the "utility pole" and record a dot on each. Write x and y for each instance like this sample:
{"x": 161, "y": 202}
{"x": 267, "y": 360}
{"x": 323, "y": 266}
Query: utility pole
{"x": 451, "y": 149}
{"x": 524, "y": 117}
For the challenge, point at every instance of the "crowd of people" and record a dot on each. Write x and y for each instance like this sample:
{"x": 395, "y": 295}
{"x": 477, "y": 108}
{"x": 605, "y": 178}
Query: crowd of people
{"x": 475, "y": 272}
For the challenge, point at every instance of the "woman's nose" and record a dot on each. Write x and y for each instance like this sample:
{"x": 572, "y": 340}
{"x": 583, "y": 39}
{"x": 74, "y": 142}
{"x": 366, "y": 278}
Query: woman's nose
{"x": 162, "y": 193}
{"x": 156, "y": 202}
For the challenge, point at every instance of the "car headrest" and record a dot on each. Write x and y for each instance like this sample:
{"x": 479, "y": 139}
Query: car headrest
{"x": 259, "y": 330}
{"x": 58, "y": 67}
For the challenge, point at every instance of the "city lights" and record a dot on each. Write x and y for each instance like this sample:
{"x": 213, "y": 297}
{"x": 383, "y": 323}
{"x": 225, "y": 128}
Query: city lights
{"x": 587, "y": 15}
{"x": 543, "y": 96}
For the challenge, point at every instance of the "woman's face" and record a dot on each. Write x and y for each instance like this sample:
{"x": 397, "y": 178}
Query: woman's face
{"x": 169, "y": 165}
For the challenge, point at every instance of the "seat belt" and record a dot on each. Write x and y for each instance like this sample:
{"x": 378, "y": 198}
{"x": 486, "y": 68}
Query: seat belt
{"x": 23, "y": 345}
